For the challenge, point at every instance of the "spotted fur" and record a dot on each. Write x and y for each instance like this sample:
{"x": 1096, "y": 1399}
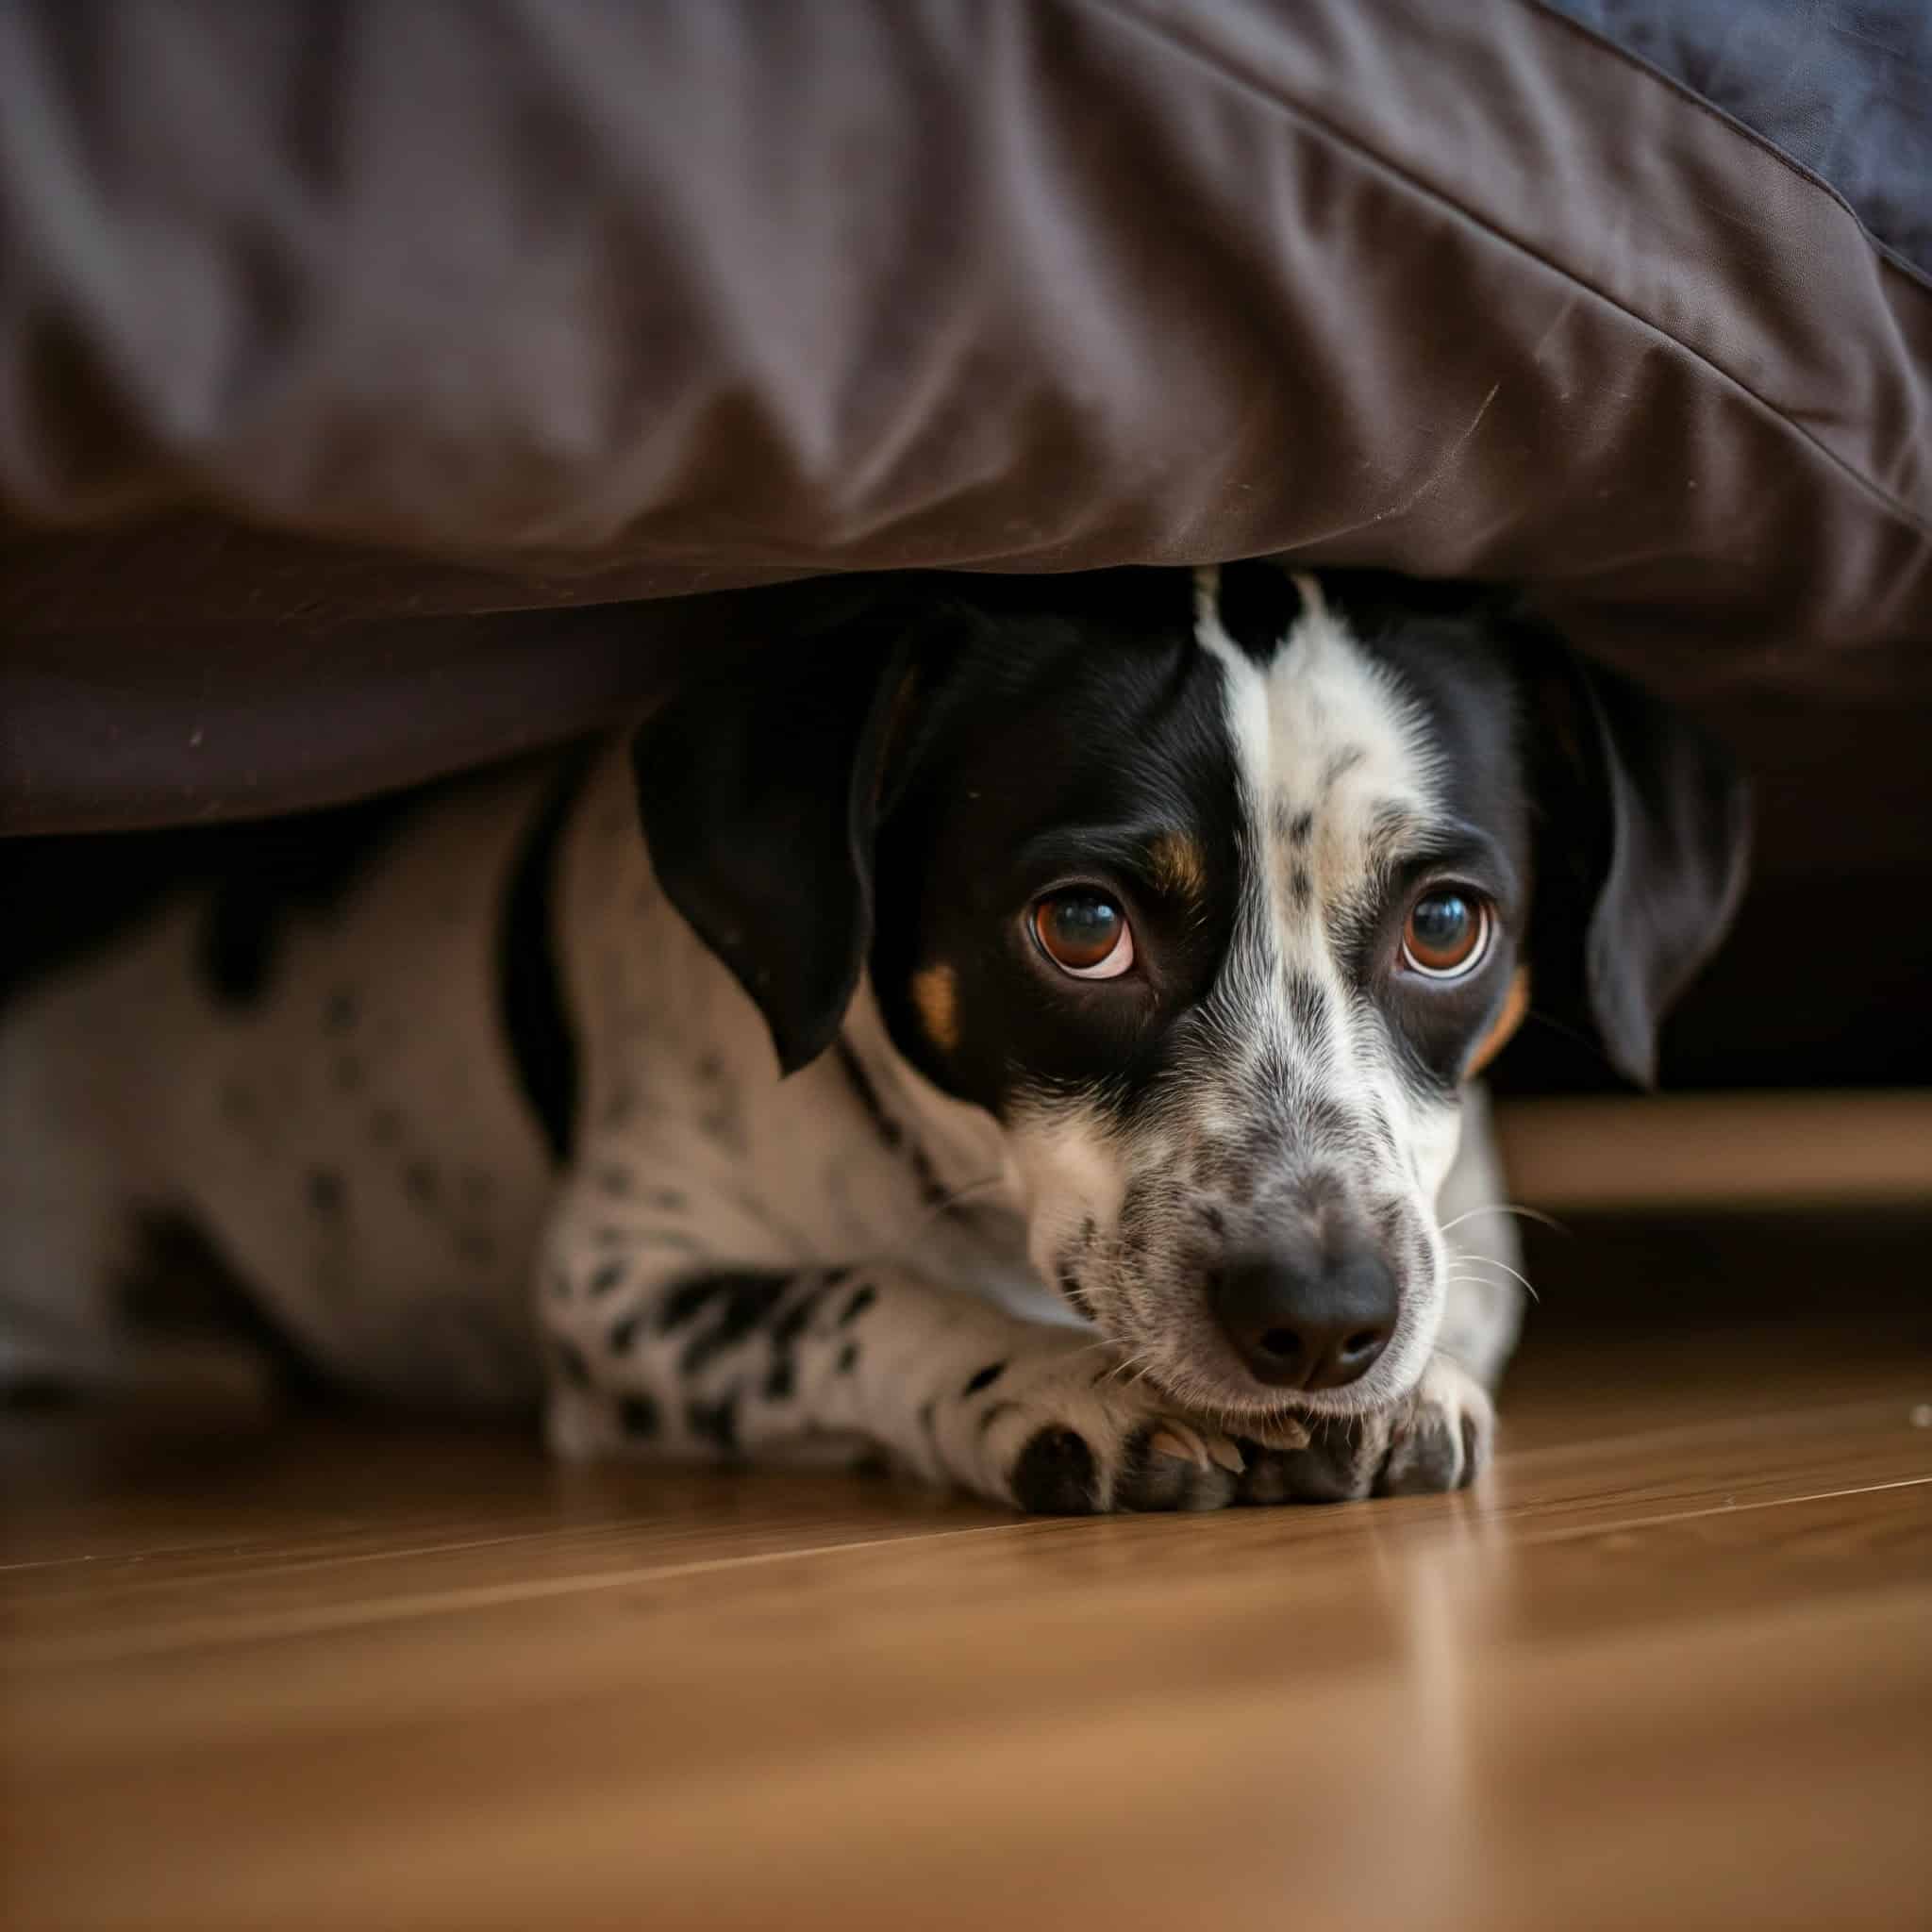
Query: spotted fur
{"x": 497, "y": 1120}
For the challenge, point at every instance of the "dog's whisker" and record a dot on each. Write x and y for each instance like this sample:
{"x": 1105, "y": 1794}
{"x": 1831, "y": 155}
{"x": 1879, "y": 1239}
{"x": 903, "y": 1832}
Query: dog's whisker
{"x": 1490, "y": 1261}
{"x": 1535, "y": 1214}
{"x": 1106, "y": 1342}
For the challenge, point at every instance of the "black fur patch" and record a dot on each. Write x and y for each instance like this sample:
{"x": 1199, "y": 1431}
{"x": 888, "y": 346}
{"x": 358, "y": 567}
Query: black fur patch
{"x": 781, "y": 1381}
{"x": 797, "y": 1317}
{"x": 639, "y": 1416}
{"x": 272, "y": 875}
{"x": 863, "y": 1298}
{"x": 570, "y": 1364}
{"x": 1056, "y": 1475}
{"x": 604, "y": 1277}
{"x": 715, "y": 1423}
{"x": 1067, "y": 726}
{"x": 530, "y": 999}
{"x": 690, "y": 1299}
{"x": 983, "y": 1378}
{"x": 745, "y": 1300}
{"x": 848, "y": 1357}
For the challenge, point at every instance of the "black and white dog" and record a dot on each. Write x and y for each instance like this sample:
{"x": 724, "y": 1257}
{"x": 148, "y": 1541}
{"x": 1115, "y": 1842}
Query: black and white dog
{"x": 1128, "y": 944}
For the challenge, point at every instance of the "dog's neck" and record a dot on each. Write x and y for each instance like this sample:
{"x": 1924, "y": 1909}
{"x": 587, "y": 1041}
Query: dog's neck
{"x": 980, "y": 1222}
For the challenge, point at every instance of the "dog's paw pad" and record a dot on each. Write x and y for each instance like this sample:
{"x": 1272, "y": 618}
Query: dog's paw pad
{"x": 1170, "y": 1464}
{"x": 1335, "y": 1463}
{"x": 1441, "y": 1439}
{"x": 1055, "y": 1474}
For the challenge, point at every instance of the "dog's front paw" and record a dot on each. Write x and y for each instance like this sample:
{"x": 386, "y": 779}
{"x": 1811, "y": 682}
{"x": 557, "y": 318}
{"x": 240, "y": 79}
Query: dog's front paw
{"x": 1068, "y": 1434}
{"x": 1441, "y": 1437}
{"x": 1437, "y": 1438}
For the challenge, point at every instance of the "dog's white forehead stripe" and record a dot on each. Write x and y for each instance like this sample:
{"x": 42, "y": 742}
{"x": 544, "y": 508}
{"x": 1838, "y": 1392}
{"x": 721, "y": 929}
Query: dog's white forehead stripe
{"x": 1335, "y": 757}
{"x": 1337, "y": 775}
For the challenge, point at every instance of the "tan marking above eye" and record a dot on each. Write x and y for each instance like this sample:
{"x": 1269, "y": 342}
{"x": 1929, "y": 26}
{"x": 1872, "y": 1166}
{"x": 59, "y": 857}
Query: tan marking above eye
{"x": 1177, "y": 864}
{"x": 936, "y": 993}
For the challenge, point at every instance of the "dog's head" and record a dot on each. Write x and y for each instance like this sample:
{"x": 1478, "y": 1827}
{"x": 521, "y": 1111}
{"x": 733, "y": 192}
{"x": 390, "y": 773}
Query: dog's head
{"x": 1213, "y": 891}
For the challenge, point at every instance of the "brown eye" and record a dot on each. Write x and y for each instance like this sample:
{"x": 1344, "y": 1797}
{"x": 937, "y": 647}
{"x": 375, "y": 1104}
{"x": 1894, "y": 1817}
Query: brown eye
{"x": 1447, "y": 934}
{"x": 1084, "y": 933}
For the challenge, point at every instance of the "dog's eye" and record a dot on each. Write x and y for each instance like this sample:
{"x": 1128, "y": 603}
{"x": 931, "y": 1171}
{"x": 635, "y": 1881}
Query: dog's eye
{"x": 1446, "y": 934}
{"x": 1084, "y": 933}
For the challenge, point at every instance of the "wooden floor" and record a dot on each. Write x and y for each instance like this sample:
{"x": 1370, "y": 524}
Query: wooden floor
{"x": 1670, "y": 1666}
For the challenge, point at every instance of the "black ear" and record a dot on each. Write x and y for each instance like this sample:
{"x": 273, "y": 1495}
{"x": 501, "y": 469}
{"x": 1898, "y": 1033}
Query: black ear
{"x": 759, "y": 797}
{"x": 1646, "y": 837}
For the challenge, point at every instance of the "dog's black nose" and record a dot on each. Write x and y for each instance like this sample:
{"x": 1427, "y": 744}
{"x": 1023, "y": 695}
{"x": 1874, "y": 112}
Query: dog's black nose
{"x": 1306, "y": 1324}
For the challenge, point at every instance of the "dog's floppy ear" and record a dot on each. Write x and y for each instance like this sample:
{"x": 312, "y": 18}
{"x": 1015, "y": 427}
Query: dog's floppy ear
{"x": 1647, "y": 830}
{"x": 759, "y": 798}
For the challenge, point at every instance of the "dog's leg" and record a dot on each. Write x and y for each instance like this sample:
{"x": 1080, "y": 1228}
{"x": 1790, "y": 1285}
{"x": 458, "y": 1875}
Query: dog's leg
{"x": 719, "y": 1362}
{"x": 658, "y": 1347}
{"x": 659, "y": 1344}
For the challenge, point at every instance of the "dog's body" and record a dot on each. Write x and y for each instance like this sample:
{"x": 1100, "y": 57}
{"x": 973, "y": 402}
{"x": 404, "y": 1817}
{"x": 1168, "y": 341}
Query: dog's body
{"x": 500, "y": 1126}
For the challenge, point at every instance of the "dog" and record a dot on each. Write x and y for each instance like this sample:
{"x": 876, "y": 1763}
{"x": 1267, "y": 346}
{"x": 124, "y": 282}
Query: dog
{"x": 1028, "y": 1034}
